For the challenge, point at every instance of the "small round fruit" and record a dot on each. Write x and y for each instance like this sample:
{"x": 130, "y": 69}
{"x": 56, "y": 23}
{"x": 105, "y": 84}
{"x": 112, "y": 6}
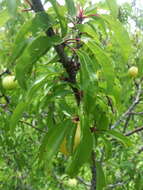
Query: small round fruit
{"x": 3, "y": 100}
{"x": 72, "y": 182}
{"x": 9, "y": 82}
{"x": 133, "y": 71}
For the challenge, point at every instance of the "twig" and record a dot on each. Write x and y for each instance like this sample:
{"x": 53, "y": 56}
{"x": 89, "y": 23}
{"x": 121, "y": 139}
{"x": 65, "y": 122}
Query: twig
{"x": 134, "y": 131}
{"x": 83, "y": 182}
{"x": 126, "y": 123}
{"x": 59, "y": 181}
{"x": 115, "y": 185}
{"x": 29, "y": 3}
{"x": 140, "y": 150}
{"x": 29, "y": 124}
{"x": 133, "y": 105}
{"x": 136, "y": 113}
{"x": 93, "y": 169}
{"x": 5, "y": 72}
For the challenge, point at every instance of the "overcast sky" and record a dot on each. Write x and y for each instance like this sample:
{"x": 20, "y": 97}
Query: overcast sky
{"x": 139, "y": 3}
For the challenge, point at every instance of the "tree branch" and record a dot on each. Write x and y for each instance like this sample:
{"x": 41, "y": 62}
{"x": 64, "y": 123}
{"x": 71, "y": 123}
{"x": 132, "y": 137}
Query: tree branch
{"x": 134, "y": 131}
{"x": 29, "y": 124}
{"x": 83, "y": 182}
{"x": 136, "y": 113}
{"x": 69, "y": 65}
{"x": 140, "y": 150}
{"x": 132, "y": 106}
{"x": 93, "y": 169}
{"x": 5, "y": 72}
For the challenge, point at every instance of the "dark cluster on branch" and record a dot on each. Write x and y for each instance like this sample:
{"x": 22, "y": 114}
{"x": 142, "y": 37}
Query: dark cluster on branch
{"x": 70, "y": 66}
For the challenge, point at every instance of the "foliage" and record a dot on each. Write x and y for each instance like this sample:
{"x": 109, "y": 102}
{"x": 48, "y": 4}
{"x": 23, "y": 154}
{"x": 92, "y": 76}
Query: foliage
{"x": 71, "y": 63}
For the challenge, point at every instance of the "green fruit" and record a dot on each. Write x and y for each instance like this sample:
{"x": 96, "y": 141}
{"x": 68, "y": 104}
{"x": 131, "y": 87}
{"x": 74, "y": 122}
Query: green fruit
{"x": 72, "y": 182}
{"x": 9, "y": 82}
{"x": 3, "y": 101}
{"x": 133, "y": 71}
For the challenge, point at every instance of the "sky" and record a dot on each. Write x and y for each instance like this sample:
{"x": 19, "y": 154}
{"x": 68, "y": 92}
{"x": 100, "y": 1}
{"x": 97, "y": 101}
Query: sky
{"x": 94, "y": 1}
{"x": 139, "y": 3}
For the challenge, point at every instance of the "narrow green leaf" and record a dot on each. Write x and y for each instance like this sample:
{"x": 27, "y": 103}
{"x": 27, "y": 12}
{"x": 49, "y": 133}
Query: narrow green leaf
{"x": 17, "y": 114}
{"x": 4, "y": 16}
{"x": 105, "y": 62}
{"x": 108, "y": 148}
{"x": 71, "y": 7}
{"x": 12, "y": 7}
{"x": 100, "y": 177}
{"x": 112, "y": 4}
{"x": 123, "y": 139}
{"x": 82, "y": 153}
{"x": 41, "y": 22}
{"x": 18, "y": 50}
{"x": 52, "y": 140}
{"x": 22, "y": 106}
{"x": 89, "y": 31}
{"x": 61, "y": 17}
{"x": 88, "y": 81}
{"x": 37, "y": 84}
{"x": 121, "y": 36}
{"x": 31, "y": 54}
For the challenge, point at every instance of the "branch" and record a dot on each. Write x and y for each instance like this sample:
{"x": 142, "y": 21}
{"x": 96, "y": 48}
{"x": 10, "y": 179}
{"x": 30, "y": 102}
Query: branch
{"x": 36, "y": 5}
{"x": 70, "y": 66}
{"x": 57, "y": 178}
{"x": 136, "y": 113}
{"x": 126, "y": 123}
{"x": 5, "y": 72}
{"x": 83, "y": 182}
{"x": 29, "y": 124}
{"x": 134, "y": 131}
{"x": 130, "y": 109}
{"x": 115, "y": 185}
{"x": 93, "y": 169}
{"x": 140, "y": 150}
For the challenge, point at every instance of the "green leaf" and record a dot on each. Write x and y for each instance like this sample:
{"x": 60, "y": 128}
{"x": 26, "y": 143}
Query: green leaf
{"x": 31, "y": 54}
{"x": 71, "y": 7}
{"x": 108, "y": 148}
{"x": 18, "y": 50}
{"x": 22, "y": 106}
{"x": 35, "y": 87}
{"x": 89, "y": 31}
{"x": 106, "y": 63}
{"x": 138, "y": 182}
{"x": 88, "y": 81}
{"x": 82, "y": 153}
{"x": 100, "y": 177}
{"x": 4, "y": 16}
{"x": 121, "y": 36}
{"x": 112, "y": 4}
{"x": 41, "y": 22}
{"x": 12, "y": 7}
{"x": 123, "y": 139}
{"x": 52, "y": 140}
{"x": 61, "y": 17}
{"x": 17, "y": 114}
{"x": 88, "y": 70}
